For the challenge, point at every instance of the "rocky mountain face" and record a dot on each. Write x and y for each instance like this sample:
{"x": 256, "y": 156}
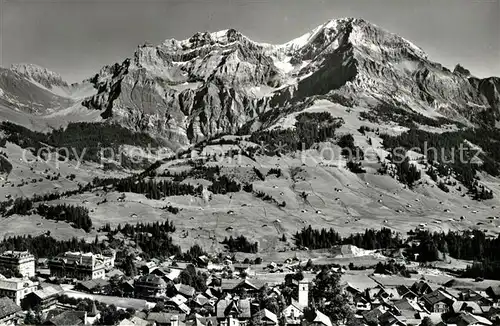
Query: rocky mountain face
{"x": 32, "y": 91}
{"x": 215, "y": 83}
{"x": 218, "y": 83}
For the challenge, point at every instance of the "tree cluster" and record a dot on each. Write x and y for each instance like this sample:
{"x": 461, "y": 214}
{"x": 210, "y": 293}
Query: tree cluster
{"x": 310, "y": 128}
{"x": 76, "y": 215}
{"x": 370, "y": 239}
{"x": 240, "y": 244}
{"x": 84, "y": 140}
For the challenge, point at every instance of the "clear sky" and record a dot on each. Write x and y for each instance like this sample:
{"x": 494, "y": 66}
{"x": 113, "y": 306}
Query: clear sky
{"x": 77, "y": 37}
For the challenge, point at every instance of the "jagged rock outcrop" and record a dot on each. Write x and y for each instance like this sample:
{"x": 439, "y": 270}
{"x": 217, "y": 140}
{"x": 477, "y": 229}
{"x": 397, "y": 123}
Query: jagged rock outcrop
{"x": 18, "y": 92}
{"x": 43, "y": 76}
{"x": 215, "y": 83}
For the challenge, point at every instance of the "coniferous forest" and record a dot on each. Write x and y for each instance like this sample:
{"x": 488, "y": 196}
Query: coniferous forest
{"x": 444, "y": 150}
{"x": 76, "y": 215}
{"x": 424, "y": 246}
{"x": 83, "y": 140}
{"x": 310, "y": 128}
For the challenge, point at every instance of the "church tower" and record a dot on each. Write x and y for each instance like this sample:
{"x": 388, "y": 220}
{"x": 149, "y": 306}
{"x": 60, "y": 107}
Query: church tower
{"x": 304, "y": 293}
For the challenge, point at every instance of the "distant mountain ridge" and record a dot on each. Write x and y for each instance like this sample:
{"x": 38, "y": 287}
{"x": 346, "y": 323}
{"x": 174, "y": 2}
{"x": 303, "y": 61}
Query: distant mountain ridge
{"x": 39, "y": 74}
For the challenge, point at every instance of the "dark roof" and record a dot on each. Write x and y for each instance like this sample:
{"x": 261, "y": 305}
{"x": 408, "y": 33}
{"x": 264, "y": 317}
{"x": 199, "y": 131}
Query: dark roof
{"x": 494, "y": 290}
{"x": 372, "y": 315}
{"x": 435, "y": 297}
{"x": 8, "y": 307}
{"x": 239, "y": 307}
{"x": 403, "y": 290}
{"x": 93, "y": 284}
{"x": 421, "y": 287}
{"x": 68, "y": 317}
{"x": 388, "y": 319}
{"x": 151, "y": 278}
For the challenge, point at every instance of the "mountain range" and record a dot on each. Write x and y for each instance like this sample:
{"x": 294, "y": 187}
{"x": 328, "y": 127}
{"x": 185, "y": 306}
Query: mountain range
{"x": 224, "y": 83}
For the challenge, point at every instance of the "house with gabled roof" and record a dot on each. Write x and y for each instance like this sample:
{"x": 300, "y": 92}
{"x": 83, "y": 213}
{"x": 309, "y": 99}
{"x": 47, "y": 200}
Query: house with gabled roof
{"x": 409, "y": 310}
{"x": 372, "y": 316}
{"x": 468, "y": 306}
{"x": 8, "y": 310}
{"x": 166, "y": 318}
{"x": 44, "y": 298}
{"x": 406, "y": 293}
{"x": 468, "y": 319}
{"x": 266, "y": 318}
{"x": 493, "y": 293}
{"x": 185, "y": 290}
{"x": 421, "y": 287}
{"x": 438, "y": 301}
{"x": 231, "y": 312}
{"x": 320, "y": 319}
{"x": 390, "y": 319}
{"x": 293, "y": 314}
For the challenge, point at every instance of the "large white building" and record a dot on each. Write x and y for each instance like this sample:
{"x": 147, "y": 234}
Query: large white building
{"x": 16, "y": 288}
{"x": 82, "y": 266}
{"x": 18, "y": 261}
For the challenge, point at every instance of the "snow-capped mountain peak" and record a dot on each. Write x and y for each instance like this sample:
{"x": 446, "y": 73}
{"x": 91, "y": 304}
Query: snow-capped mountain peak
{"x": 216, "y": 82}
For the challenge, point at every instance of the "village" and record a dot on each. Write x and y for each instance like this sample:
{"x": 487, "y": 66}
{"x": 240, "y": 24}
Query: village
{"x": 78, "y": 288}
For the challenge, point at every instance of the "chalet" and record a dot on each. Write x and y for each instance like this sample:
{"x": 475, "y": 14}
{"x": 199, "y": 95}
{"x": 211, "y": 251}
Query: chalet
{"x": 266, "y": 318}
{"x": 97, "y": 286}
{"x": 44, "y": 298}
{"x": 127, "y": 288}
{"x": 408, "y": 309}
{"x": 147, "y": 267}
{"x": 165, "y": 319}
{"x": 68, "y": 317}
{"x": 202, "y": 261}
{"x": 242, "y": 268}
{"x": 231, "y": 312}
{"x": 320, "y": 319}
{"x": 390, "y": 319}
{"x": 494, "y": 315}
{"x": 406, "y": 293}
{"x": 468, "y": 319}
{"x": 198, "y": 320}
{"x": 178, "y": 303}
{"x": 115, "y": 273}
{"x": 467, "y": 306}
{"x": 421, "y": 287}
{"x": 150, "y": 287}
{"x": 361, "y": 303}
{"x": 438, "y": 301}
{"x": 371, "y": 317}
{"x": 235, "y": 286}
{"x": 352, "y": 290}
{"x": 8, "y": 310}
{"x": 185, "y": 290}
{"x": 493, "y": 293}
{"x": 293, "y": 314}
{"x": 168, "y": 274}
{"x": 134, "y": 321}
{"x": 203, "y": 303}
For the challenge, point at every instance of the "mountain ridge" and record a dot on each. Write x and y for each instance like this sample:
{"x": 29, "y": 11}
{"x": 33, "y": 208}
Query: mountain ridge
{"x": 215, "y": 83}
{"x": 220, "y": 82}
